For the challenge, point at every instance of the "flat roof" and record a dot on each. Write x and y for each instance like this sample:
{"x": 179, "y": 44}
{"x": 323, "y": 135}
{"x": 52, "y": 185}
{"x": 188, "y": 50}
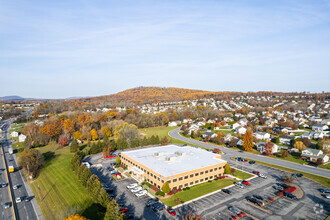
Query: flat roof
{"x": 170, "y": 160}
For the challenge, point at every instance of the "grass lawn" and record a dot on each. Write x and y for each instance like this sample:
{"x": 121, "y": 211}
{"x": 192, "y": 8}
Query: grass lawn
{"x": 57, "y": 188}
{"x": 320, "y": 179}
{"x": 197, "y": 191}
{"x": 290, "y": 158}
{"x": 325, "y": 166}
{"x": 242, "y": 175}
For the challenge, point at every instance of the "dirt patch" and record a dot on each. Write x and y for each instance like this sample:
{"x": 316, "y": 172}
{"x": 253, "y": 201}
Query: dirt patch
{"x": 298, "y": 192}
{"x": 258, "y": 207}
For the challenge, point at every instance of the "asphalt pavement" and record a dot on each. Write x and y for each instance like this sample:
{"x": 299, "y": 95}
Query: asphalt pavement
{"x": 232, "y": 153}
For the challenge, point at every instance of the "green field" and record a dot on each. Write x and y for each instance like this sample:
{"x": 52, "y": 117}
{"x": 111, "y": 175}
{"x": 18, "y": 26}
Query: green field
{"x": 57, "y": 189}
{"x": 197, "y": 191}
{"x": 242, "y": 175}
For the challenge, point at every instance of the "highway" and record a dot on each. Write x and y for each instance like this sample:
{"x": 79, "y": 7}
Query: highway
{"x": 23, "y": 210}
{"x": 232, "y": 153}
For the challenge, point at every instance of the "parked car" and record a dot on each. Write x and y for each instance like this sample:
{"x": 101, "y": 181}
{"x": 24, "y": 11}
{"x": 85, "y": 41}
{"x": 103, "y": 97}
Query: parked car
{"x": 239, "y": 159}
{"x": 290, "y": 195}
{"x": 240, "y": 185}
{"x": 283, "y": 185}
{"x": 262, "y": 175}
{"x": 252, "y": 162}
{"x": 113, "y": 172}
{"x": 324, "y": 190}
{"x": 18, "y": 199}
{"x": 327, "y": 196}
{"x": 158, "y": 207}
{"x": 26, "y": 199}
{"x": 226, "y": 191}
{"x": 171, "y": 211}
{"x": 234, "y": 210}
{"x": 3, "y": 185}
{"x": 123, "y": 210}
{"x": 255, "y": 172}
{"x": 254, "y": 200}
{"x": 299, "y": 174}
{"x": 136, "y": 189}
{"x": 258, "y": 197}
{"x": 15, "y": 186}
{"x": 246, "y": 183}
{"x": 106, "y": 187}
{"x": 131, "y": 186}
{"x": 151, "y": 202}
{"x": 141, "y": 193}
{"x": 278, "y": 188}
{"x": 7, "y": 205}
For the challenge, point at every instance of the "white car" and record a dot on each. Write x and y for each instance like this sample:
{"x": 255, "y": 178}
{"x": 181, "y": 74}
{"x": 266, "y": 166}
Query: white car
{"x": 136, "y": 189}
{"x": 327, "y": 196}
{"x": 18, "y": 199}
{"x": 15, "y": 186}
{"x": 141, "y": 193}
{"x": 240, "y": 185}
{"x": 262, "y": 175}
{"x": 3, "y": 184}
{"x": 131, "y": 186}
{"x": 87, "y": 164}
{"x": 113, "y": 172}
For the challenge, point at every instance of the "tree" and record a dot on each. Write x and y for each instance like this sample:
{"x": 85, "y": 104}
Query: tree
{"x": 64, "y": 139}
{"x": 233, "y": 142}
{"x": 164, "y": 141}
{"x": 319, "y": 161}
{"x": 74, "y": 147}
{"x": 94, "y": 134}
{"x": 287, "y": 178}
{"x": 126, "y": 131}
{"x": 118, "y": 160}
{"x": 112, "y": 212}
{"x": 31, "y": 160}
{"x": 299, "y": 145}
{"x": 306, "y": 142}
{"x": 227, "y": 169}
{"x": 75, "y": 217}
{"x": 324, "y": 145}
{"x": 166, "y": 187}
{"x": 77, "y": 135}
{"x": 269, "y": 148}
{"x": 248, "y": 141}
{"x": 285, "y": 153}
{"x": 106, "y": 131}
{"x": 68, "y": 126}
{"x": 216, "y": 150}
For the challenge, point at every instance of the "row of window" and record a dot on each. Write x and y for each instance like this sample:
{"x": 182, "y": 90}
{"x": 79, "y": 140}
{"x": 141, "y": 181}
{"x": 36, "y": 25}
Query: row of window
{"x": 196, "y": 182}
{"x": 196, "y": 174}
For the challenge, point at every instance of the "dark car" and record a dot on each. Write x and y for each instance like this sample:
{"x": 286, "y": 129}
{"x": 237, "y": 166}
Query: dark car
{"x": 254, "y": 200}
{"x": 299, "y": 174}
{"x": 283, "y": 185}
{"x": 324, "y": 190}
{"x": 226, "y": 191}
{"x": 27, "y": 199}
{"x": 239, "y": 159}
{"x": 252, "y": 162}
{"x": 151, "y": 202}
{"x": 290, "y": 195}
{"x": 255, "y": 172}
{"x": 158, "y": 207}
{"x": 258, "y": 197}
{"x": 234, "y": 210}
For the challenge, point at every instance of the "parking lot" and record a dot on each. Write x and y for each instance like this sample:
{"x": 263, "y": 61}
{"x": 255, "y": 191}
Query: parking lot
{"x": 311, "y": 206}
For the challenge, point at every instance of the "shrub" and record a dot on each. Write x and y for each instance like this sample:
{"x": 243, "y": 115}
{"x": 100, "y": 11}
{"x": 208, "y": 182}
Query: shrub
{"x": 154, "y": 188}
{"x": 160, "y": 193}
{"x": 186, "y": 188}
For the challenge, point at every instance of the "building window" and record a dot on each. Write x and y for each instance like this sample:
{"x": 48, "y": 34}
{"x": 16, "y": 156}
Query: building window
{"x": 201, "y": 180}
{"x": 223, "y": 167}
{"x": 211, "y": 170}
{"x": 185, "y": 185}
{"x": 202, "y": 173}
{"x": 186, "y": 177}
{"x": 196, "y": 181}
{"x": 192, "y": 175}
{"x": 174, "y": 187}
{"x": 158, "y": 179}
{"x": 174, "y": 180}
{"x": 158, "y": 187}
{"x": 151, "y": 182}
{"x": 162, "y": 181}
{"x": 191, "y": 183}
{"x": 215, "y": 169}
{"x": 196, "y": 174}
{"x": 180, "y": 186}
{"x": 148, "y": 172}
{"x": 211, "y": 177}
{"x": 169, "y": 181}
{"x": 206, "y": 178}
{"x": 206, "y": 171}
{"x": 180, "y": 178}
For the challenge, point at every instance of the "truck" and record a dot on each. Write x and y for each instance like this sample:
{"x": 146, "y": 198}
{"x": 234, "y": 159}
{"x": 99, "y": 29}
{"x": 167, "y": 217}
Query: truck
{"x": 11, "y": 168}
{"x": 10, "y": 150}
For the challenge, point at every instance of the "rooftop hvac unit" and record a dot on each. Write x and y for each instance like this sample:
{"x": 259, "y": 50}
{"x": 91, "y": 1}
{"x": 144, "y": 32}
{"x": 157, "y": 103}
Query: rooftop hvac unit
{"x": 178, "y": 153}
{"x": 158, "y": 154}
{"x": 169, "y": 158}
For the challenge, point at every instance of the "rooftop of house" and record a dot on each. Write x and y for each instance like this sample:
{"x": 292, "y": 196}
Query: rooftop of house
{"x": 172, "y": 159}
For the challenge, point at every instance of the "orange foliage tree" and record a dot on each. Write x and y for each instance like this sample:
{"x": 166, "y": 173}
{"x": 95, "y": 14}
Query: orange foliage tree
{"x": 77, "y": 135}
{"x": 68, "y": 126}
{"x": 75, "y": 217}
{"x": 248, "y": 141}
{"x": 94, "y": 134}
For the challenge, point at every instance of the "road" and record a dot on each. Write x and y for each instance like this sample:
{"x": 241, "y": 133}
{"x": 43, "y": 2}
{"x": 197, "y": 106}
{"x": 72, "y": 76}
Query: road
{"x": 232, "y": 153}
{"x": 23, "y": 210}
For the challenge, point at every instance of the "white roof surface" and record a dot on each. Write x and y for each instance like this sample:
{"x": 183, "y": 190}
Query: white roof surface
{"x": 170, "y": 162}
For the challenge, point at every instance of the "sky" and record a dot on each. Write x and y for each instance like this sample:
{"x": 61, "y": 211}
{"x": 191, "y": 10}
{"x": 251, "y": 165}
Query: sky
{"x": 59, "y": 49}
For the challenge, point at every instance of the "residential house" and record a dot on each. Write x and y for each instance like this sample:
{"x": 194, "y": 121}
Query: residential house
{"x": 240, "y": 130}
{"x": 186, "y": 121}
{"x": 193, "y": 127}
{"x": 243, "y": 122}
{"x": 21, "y": 138}
{"x": 271, "y": 122}
{"x": 14, "y": 134}
{"x": 174, "y": 123}
{"x": 326, "y": 122}
{"x": 209, "y": 134}
{"x": 201, "y": 123}
{"x": 319, "y": 127}
{"x": 314, "y": 154}
{"x": 236, "y": 125}
{"x": 261, "y": 135}
{"x": 284, "y": 139}
{"x": 261, "y": 147}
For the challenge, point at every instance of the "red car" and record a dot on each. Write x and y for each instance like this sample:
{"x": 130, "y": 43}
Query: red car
{"x": 256, "y": 172}
{"x": 171, "y": 211}
{"x": 117, "y": 174}
{"x": 244, "y": 160}
{"x": 123, "y": 210}
{"x": 246, "y": 183}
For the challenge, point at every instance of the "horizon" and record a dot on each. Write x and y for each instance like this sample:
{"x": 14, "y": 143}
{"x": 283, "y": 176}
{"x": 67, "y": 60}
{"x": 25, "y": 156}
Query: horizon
{"x": 57, "y": 50}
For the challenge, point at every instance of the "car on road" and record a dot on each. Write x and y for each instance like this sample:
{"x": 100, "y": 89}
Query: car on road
{"x": 3, "y": 185}
{"x": 136, "y": 189}
{"x": 171, "y": 211}
{"x": 327, "y": 196}
{"x": 290, "y": 195}
{"x": 158, "y": 207}
{"x": 141, "y": 193}
{"x": 131, "y": 186}
{"x": 258, "y": 197}
{"x": 18, "y": 200}
{"x": 123, "y": 210}
{"x": 299, "y": 174}
{"x": 15, "y": 186}
{"x": 246, "y": 183}
{"x": 226, "y": 191}
{"x": 254, "y": 200}
{"x": 324, "y": 190}
{"x": 256, "y": 172}
{"x": 252, "y": 162}
{"x": 240, "y": 185}
{"x": 262, "y": 175}
{"x": 26, "y": 199}
{"x": 278, "y": 188}
{"x": 234, "y": 210}
{"x": 7, "y": 205}
{"x": 151, "y": 202}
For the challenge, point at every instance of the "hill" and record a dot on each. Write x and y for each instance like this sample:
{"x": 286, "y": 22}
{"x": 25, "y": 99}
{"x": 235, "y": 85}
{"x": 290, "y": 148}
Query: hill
{"x": 12, "y": 98}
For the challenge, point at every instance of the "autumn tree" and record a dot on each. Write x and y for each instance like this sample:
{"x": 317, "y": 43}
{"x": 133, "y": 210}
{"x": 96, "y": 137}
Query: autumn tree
{"x": 94, "y": 134}
{"x": 106, "y": 131}
{"x": 64, "y": 139}
{"x": 166, "y": 187}
{"x": 126, "y": 131}
{"x": 269, "y": 148}
{"x": 75, "y": 217}
{"x": 306, "y": 142}
{"x": 53, "y": 129}
{"x": 227, "y": 169}
{"x": 68, "y": 126}
{"x": 248, "y": 141}
{"x": 216, "y": 150}
{"x": 164, "y": 141}
{"x": 233, "y": 142}
{"x": 84, "y": 120}
{"x": 299, "y": 145}
{"x": 319, "y": 161}
{"x": 118, "y": 161}
{"x": 77, "y": 135}
{"x": 285, "y": 153}
{"x": 31, "y": 160}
